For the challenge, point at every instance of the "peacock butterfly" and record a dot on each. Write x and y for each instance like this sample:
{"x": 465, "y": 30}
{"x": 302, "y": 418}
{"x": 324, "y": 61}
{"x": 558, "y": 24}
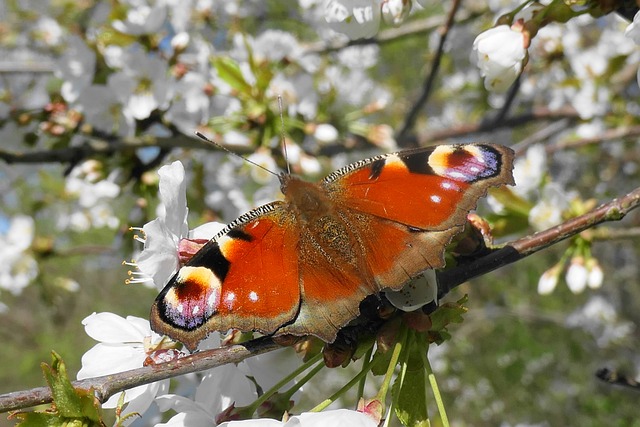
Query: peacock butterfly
{"x": 303, "y": 265}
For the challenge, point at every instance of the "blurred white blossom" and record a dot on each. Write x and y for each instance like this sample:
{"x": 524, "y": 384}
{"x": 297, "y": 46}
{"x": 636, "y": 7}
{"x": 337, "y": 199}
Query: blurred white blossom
{"x": 528, "y": 170}
{"x": 18, "y": 267}
{"x": 577, "y": 275}
{"x": 142, "y": 17}
{"x": 394, "y": 12}
{"x": 355, "y": 18}
{"x": 633, "y": 30}
{"x": 600, "y": 318}
{"x": 76, "y": 68}
{"x": 550, "y": 207}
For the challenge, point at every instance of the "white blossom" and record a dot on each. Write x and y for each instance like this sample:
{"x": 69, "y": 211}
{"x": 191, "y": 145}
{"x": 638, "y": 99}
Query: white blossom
{"x": 633, "y": 30}
{"x": 123, "y": 344}
{"x": 548, "y": 211}
{"x": 528, "y": 170}
{"x": 416, "y": 293}
{"x": 500, "y": 54}
{"x": 18, "y": 267}
{"x": 76, "y": 68}
{"x": 143, "y": 17}
{"x": 394, "y": 12}
{"x": 548, "y": 281}
{"x": 161, "y": 237}
{"x": 577, "y": 275}
{"x": 334, "y": 418}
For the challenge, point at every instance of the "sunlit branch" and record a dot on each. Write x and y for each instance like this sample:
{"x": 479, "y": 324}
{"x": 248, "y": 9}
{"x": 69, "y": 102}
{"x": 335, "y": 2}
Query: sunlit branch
{"x": 108, "y": 385}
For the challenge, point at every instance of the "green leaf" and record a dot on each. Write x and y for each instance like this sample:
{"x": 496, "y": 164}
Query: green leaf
{"x": 71, "y": 407}
{"x": 410, "y": 389}
{"x": 229, "y": 71}
{"x": 69, "y": 402}
{"x": 380, "y": 362}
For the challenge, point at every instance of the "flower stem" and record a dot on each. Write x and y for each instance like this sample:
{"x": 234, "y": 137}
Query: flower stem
{"x": 395, "y": 356}
{"x": 366, "y": 359}
{"x": 436, "y": 391}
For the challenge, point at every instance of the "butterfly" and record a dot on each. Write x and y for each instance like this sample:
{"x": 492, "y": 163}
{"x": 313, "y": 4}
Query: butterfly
{"x": 302, "y": 266}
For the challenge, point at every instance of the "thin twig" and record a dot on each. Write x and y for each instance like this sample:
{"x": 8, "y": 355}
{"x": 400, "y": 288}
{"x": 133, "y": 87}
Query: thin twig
{"x": 411, "y": 118}
{"x": 537, "y": 114}
{"x": 608, "y": 135}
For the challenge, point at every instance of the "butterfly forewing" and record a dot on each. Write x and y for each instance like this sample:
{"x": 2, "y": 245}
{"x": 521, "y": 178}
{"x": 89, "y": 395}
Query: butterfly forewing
{"x": 428, "y": 188}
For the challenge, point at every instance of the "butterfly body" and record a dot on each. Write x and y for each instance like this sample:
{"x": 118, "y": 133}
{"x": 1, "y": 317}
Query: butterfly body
{"x": 302, "y": 266}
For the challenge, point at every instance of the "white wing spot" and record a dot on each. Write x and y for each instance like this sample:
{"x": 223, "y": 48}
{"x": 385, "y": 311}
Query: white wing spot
{"x": 180, "y": 308}
{"x": 435, "y": 199}
{"x": 231, "y": 296}
{"x": 456, "y": 174}
{"x": 253, "y": 296}
{"x": 446, "y": 185}
{"x": 195, "y": 310}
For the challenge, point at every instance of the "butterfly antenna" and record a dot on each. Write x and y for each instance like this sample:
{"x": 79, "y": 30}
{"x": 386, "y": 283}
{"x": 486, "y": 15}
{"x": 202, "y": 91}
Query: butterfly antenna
{"x": 215, "y": 144}
{"x": 284, "y": 145}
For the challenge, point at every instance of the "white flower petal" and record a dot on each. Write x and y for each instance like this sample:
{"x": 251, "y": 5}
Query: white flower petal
{"x": 335, "y": 418}
{"x": 111, "y": 328}
{"x": 207, "y": 230}
{"x": 223, "y": 386}
{"x": 104, "y": 359}
{"x": 173, "y": 194}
